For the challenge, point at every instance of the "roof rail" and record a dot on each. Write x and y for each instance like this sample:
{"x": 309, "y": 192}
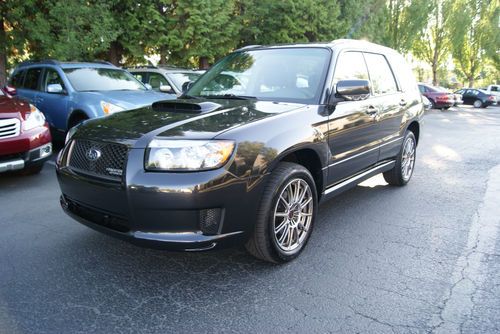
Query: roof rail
{"x": 105, "y": 62}
{"x": 248, "y": 47}
{"x": 43, "y": 61}
{"x": 139, "y": 66}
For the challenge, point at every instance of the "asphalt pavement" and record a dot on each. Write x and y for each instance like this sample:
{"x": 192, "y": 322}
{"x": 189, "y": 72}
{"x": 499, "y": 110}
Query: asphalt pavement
{"x": 418, "y": 259}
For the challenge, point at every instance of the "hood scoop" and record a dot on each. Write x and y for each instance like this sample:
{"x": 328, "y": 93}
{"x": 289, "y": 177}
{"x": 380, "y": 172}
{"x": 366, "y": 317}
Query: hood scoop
{"x": 185, "y": 107}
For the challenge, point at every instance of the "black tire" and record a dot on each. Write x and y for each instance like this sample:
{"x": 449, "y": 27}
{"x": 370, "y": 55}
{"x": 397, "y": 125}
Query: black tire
{"x": 478, "y": 104}
{"x": 262, "y": 244}
{"x": 433, "y": 104}
{"x": 395, "y": 176}
{"x": 446, "y": 108}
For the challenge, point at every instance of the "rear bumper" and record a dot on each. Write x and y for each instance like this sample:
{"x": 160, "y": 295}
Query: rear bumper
{"x": 179, "y": 211}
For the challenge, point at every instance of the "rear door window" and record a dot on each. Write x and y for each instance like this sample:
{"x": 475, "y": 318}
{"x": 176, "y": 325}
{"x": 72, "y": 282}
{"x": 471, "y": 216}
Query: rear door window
{"x": 381, "y": 76}
{"x": 32, "y": 78}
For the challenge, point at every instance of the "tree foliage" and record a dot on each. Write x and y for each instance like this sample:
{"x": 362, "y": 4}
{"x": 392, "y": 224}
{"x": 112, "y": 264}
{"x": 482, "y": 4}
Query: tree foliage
{"x": 475, "y": 36}
{"x": 197, "y": 32}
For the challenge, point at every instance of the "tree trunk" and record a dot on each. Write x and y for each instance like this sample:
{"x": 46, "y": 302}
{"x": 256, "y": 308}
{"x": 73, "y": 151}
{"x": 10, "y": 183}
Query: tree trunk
{"x": 3, "y": 54}
{"x": 471, "y": 82}
{"x": 115, "y": 53}
{"x": 163, "y": 56}
{"x": 434, "y": 75}
{"x": 203, "y": 63}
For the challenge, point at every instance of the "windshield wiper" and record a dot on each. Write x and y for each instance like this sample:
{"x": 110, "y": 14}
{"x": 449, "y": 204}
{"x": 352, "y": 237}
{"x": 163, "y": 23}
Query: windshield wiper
{"x": 230, "y": 96}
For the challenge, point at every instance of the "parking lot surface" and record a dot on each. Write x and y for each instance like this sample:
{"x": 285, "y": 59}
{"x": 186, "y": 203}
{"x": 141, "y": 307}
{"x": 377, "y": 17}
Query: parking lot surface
{"x": 418, "y": 259}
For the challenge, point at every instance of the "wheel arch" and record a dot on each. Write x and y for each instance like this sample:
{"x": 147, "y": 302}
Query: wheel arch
{"x": 76, "y": 115}
{"x": 415, "y": 128}
{"x": 309, "y": 158}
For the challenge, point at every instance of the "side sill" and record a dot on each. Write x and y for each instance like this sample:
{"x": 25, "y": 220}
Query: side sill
{"x": 356, "y": 179}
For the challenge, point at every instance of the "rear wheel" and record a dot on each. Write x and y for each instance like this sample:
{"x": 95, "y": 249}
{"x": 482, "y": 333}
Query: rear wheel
{"x": 433, "y": 104}
{"x": 286, "y": 215}
{"x": 402, "y": 172}
{"x": 478, "y": 104}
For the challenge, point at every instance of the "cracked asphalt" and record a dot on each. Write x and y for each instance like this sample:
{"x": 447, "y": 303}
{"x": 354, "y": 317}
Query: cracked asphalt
{"x": 420, "y": 259}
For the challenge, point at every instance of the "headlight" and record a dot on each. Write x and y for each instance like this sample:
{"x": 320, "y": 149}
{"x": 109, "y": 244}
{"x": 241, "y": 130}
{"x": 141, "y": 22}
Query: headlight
{"x": 34, "y": 119}
{"x": 71, "y": 132}
{"x": 187, "y": 155}
{"x": 110, "y": 108}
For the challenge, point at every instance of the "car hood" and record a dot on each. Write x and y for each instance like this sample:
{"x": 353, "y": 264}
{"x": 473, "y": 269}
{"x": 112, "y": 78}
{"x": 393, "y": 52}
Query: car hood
{"x": 13, "y": 107}
{"x": 136, "y": 128}
{"x": 127, "y": 99}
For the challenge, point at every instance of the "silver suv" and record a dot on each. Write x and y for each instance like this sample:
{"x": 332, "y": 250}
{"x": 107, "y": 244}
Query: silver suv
{"x": 165, "y": 79}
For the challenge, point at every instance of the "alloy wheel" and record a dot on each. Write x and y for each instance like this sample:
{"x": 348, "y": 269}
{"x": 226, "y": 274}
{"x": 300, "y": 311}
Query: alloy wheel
{"x": 408, "y": 159}
{"x": 293, "y": 215}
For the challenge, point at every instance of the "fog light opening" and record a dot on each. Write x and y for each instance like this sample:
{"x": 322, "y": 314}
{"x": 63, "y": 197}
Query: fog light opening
{"x": 211, "y": 221}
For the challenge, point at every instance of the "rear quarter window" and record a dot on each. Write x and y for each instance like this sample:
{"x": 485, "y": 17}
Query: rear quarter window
{"x": 17, "y": 79}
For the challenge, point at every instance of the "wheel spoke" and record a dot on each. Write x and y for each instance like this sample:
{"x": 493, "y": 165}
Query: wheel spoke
{"x": 281, "y": 214}
{"x": 283, "y": 236}
{"x": 280, "y": 226}
{"x": 303, "y": 205}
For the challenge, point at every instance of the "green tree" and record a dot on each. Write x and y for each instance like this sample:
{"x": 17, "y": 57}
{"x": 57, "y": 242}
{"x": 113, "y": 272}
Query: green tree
{"x": 405, "y": 20}
{"x": 475, "y": 35}
{"x": 70, "y": 30}
{"x": 433, "y": 46}
{"x": 13, "y": 33}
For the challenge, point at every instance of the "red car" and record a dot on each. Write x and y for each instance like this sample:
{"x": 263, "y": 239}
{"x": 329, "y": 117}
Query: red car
{"x": 25, "y": 141}
{"x": 439, "y": 98}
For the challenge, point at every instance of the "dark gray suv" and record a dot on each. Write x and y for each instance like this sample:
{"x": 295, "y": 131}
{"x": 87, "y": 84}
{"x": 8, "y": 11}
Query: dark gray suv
{"x": 246, "y": 154}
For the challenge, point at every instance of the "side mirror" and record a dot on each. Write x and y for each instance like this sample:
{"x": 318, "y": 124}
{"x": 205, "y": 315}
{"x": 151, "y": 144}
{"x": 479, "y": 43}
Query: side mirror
{"x": 166, "y": 89}
{"x": 353, "y": 90}
{"x": 10, "y": 90}
{"x": 148, "y": 86}
{"x": 55, "y": 89}
{"x": 186, "y": 86}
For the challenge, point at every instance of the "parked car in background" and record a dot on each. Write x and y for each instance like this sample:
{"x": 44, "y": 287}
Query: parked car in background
{"x": 477, "y": 97}
{"x": 25, "y": 141}
{"x": 165, "y": 79}
{"x": 69, "y": 93}
{"x": 438, "y": 98}
{"x": 246, "y": 161}
{"x": 427, "y": 103}
{"x": 494, "y": 90}
{"x": 457, "y": 98}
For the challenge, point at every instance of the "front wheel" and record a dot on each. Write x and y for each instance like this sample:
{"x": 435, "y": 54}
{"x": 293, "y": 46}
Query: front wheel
{"x": 286, "y": 214}
{"x": 401, "y": 174}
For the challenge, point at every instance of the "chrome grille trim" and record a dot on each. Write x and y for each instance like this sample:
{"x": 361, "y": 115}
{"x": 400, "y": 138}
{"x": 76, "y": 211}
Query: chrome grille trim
{"x": 10, "y": 127}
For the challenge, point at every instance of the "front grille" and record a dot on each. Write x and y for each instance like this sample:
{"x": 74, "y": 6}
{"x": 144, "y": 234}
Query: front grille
{"x": 210, "y": 221}
{"x": 9, "y": 127}
{"x": 103, "y": 160}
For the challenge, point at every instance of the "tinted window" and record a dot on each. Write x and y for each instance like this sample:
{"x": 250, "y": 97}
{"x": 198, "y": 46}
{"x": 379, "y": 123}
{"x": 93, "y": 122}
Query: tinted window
{"x": 52, "y": 78}
{"x": 156, "y": 80}
{"x": 381, "y": 76}
{"x": 32, "y": 77}
{"x": 17, "y": 79}
{"x": 350, "y": 65}
{"x": 102, "y": 79}
{"x": 494, "y": 88}
{"x": 421, "y": 89}
{"x": 267, "y": 74}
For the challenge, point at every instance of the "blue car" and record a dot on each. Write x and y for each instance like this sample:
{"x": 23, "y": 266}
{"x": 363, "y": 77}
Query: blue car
{"x": 69, "y": 93}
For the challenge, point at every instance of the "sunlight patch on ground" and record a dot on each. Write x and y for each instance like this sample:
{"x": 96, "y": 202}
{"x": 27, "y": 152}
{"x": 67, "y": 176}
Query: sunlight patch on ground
{"x": 446, "y": 153}
{"x": 377, "y": 180}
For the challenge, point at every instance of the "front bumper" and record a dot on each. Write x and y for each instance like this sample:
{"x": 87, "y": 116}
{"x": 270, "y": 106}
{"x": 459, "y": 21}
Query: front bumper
{"x": 164, "y": 210}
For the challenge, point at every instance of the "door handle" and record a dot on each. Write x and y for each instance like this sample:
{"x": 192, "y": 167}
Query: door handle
{"x": 402, "y": 103}
{"x": 371, "y": 110}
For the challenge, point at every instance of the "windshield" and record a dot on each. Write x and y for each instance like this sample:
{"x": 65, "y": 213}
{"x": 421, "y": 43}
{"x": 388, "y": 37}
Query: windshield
{"x": 101, "y": 79}
{"x": 284, "y": 75}
{"x": 178, "y": 78}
